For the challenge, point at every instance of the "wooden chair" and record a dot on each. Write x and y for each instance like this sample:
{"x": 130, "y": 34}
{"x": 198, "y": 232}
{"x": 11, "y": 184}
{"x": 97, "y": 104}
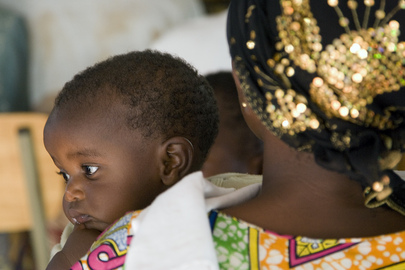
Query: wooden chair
{"x": 401, "y": 165}
{"x": 30, "y": 190}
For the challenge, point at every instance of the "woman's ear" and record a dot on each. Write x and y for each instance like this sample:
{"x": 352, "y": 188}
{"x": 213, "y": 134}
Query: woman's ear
{"x": 176, "y": 159}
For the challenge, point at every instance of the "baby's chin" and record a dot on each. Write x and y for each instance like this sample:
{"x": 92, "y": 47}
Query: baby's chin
{"x": 97, "y": 225}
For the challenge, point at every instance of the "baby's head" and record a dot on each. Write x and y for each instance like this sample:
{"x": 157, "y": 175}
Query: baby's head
{"x": 124, "y": 130}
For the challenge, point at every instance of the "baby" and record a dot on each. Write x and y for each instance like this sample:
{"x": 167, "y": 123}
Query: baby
{"x": 122, "y": 132}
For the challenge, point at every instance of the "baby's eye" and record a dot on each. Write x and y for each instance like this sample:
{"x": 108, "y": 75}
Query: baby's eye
{"x": 90, "y": 170}
{"x": 64, "y": 175}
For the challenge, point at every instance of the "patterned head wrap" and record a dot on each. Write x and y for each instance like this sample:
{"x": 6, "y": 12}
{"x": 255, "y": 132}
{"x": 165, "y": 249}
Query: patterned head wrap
{"x": 328, "y": 77}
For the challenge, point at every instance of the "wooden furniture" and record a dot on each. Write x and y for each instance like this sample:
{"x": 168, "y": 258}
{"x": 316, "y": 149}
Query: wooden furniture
{"x": 401, "y": 165}
{"x": 30, "y": 190}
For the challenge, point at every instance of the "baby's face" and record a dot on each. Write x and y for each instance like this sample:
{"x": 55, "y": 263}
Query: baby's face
{"x": 108, "y": 169}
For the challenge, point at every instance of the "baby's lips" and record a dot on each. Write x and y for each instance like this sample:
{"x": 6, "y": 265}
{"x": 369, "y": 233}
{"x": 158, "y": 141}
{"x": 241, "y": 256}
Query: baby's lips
{"x": 80, "y": 219}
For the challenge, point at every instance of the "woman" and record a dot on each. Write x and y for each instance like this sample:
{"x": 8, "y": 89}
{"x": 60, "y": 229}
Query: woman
{"x": 328, "y": 102}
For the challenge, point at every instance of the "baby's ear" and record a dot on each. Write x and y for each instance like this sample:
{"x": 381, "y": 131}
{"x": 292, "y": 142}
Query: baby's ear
{"x": 177, "y": 158}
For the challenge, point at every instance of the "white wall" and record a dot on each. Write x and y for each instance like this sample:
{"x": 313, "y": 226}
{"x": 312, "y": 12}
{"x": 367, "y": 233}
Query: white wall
{"x": 69, "y": 35}
{"x": 201, "y": 41}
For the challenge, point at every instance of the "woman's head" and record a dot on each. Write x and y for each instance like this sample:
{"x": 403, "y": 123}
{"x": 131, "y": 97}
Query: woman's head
{"x": 328, "y": 78}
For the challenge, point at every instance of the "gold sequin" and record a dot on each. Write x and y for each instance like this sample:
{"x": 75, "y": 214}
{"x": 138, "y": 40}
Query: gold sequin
{"x": 249, "y": 13}
{"x": 356, "y": 67}
{"x": 348, "y": 74}
{"x": 378, "y": 187}
{"x": 369, "y": 3}
{"x": 250, "y": 45}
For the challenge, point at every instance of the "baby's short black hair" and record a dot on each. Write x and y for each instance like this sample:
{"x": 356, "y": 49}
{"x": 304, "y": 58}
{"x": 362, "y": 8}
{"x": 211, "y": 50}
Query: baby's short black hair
{"x": 164, "y": 95}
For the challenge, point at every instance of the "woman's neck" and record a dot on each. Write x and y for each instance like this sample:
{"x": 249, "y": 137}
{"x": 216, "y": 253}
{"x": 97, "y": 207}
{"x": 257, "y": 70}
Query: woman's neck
{"x": 296, "y": 175}
{"x": 299, "y": 197}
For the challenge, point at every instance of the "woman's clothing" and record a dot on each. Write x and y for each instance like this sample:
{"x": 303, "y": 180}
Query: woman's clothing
{"x": 300, "y": 73}
{"x": 240, "y": 245}
{"x": 164, "y": 227}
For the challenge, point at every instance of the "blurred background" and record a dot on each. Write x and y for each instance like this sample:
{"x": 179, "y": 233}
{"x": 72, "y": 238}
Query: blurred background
{"x": 46, "y": 42}
{"x": 43, "y": 44}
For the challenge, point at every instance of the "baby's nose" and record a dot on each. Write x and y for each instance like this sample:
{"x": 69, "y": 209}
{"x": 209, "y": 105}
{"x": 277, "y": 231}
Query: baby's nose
{"x": 74, "y": 191}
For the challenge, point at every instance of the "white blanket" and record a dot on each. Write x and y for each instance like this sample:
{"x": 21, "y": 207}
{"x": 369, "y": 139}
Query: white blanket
{"x": 177, "y": 221}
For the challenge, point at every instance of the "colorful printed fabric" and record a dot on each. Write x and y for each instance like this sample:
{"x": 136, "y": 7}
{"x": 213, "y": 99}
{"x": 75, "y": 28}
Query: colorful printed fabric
{"x": 110, "y": 249}
{"x": 240, "y": 245}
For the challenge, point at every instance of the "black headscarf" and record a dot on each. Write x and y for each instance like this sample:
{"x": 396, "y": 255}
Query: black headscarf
{"x": 276, "y": 47}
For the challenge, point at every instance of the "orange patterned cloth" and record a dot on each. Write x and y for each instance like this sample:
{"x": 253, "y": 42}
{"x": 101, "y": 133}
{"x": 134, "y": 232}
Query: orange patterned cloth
{"x": 240, "y": 245}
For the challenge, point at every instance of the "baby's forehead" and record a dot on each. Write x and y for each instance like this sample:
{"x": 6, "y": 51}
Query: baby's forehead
{"x": 79, "y": 126}
{"x": 99, "y": 110}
